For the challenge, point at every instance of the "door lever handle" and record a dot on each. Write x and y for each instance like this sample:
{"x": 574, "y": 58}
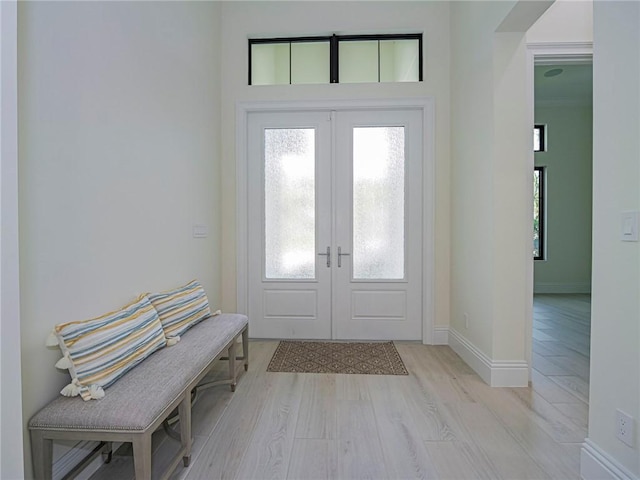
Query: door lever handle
{"x": 328, "y": 255}
{"x": 340, "y": 255}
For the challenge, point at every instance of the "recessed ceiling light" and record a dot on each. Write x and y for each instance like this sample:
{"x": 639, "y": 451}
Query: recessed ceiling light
{"x": 553, "y": 72}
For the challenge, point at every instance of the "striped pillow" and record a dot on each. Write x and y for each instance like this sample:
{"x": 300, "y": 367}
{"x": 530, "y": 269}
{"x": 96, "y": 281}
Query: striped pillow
{"x": 99, "y": 351}
{"x": 180, "y": 309}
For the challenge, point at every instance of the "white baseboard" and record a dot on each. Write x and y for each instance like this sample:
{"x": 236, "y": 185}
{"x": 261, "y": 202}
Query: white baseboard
{"x": 562, "y": 288}
{"x": 71, "y": 457}
{"x": 74, "y": 456}
{"x": 497, "y": 373}
{"x": 441, "y": 335}
{"x": 595, "y": 464}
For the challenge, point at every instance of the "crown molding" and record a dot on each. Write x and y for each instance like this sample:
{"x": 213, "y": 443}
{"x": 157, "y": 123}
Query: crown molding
{"x": 565, "y": 53}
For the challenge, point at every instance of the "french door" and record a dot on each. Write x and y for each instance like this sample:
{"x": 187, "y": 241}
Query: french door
{"x": 335, "y": 224}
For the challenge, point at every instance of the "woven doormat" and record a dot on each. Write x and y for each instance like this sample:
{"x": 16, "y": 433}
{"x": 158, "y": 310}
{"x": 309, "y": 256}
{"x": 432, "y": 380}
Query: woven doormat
{"x": 374, "y": 358}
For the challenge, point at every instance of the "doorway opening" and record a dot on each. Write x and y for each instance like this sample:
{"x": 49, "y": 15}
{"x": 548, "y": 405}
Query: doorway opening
{"x": 561, "y": 314}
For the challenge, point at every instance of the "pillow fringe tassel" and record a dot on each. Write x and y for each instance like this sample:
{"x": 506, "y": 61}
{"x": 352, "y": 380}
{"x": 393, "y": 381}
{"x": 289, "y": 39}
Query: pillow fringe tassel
{"x": 71, "y": 390}
{"x": 52, "y": 340}
{"x": 96, "y": 392}
{"x": 64, "y": 363}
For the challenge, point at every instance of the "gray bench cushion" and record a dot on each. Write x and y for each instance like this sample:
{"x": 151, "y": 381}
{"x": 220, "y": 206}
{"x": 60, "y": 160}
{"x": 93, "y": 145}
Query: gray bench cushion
{"x": 136, "y": 400}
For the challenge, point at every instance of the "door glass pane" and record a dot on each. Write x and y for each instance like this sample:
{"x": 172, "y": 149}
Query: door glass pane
{"x": 358, "y": 61}
{"x": 378, "y": 202}
{"x": 289, "y": 177}
{"x": 270, "y": 64}
{"x": 310, "y": 62}
{"x": 399, "y": 60}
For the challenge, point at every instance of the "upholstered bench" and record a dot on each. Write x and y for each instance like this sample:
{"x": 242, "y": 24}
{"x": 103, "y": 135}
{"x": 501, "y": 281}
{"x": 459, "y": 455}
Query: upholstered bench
{"x": 138, "y": 403}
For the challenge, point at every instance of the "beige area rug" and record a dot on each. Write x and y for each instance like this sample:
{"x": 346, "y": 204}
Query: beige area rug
{"x": 375, "y": 358}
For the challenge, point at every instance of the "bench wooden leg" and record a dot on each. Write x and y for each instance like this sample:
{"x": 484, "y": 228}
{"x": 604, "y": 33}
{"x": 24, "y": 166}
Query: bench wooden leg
{"x": 142, "y": 456}
{"x": 184, "y": 410}
{"x": 232, "y": 365}
{"x": 107, "y": 452}
{"x": 245, "y": 348}
{"x": 42, "y": 453}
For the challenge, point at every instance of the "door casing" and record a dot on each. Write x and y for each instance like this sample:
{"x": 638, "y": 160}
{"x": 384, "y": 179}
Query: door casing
{"x": 425, "y": 105}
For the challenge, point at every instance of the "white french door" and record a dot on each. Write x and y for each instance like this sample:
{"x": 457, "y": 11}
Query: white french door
{"x": 289, "y": 222}
{"x": 335, "y": 224}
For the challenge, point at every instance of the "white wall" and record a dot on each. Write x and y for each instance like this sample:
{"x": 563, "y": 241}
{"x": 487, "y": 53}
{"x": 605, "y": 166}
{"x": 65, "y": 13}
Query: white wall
{"x": 241, "y": 20}
{"x": 471, "y": 168}
{"x": 512, "y": 229}
{"x": 489, "y": 175}
{"x": 119, "y": 122}
{"x": 11, "y": 456}
{"x": 568, "y": 162}
{"x": 615, "y": 325}
{"x": 566, "y": 21}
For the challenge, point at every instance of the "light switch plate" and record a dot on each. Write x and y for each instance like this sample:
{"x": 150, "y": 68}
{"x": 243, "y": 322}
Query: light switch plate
{"x": 200, "y": 231}
{"x": 629, "y": 226}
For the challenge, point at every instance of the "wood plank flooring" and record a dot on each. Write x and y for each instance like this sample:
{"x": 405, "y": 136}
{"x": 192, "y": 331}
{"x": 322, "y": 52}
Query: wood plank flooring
{"x": 440, "y": 421}
{"x": 561, "y": 347}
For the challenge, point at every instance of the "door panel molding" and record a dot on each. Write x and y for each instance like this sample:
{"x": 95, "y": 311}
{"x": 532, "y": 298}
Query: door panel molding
{"x": 424, "y": 104}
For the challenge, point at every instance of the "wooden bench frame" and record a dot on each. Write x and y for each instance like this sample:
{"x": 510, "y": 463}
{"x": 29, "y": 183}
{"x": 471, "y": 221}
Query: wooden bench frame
{"x": 42, "y": 439}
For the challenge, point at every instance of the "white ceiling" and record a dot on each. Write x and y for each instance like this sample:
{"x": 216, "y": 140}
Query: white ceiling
{"x": 574, "y": 86}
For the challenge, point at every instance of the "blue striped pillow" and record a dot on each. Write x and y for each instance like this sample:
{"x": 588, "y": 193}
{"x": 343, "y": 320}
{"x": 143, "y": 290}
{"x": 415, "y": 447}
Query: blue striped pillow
{"x": 180, "y": 309}
{"x": 99, "y": 351}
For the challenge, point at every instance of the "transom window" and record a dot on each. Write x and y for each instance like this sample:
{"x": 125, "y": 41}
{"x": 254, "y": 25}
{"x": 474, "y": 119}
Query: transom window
{"x": 335, "y": 59}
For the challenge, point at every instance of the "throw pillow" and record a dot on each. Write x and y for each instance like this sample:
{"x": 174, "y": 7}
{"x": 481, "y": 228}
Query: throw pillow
{"x": 99, "y": 351}
{"x": 180, "y": 309}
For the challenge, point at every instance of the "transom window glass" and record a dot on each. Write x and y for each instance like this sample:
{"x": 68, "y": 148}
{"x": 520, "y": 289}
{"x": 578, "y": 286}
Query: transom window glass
{"x": 310, "y": 62}
{"x": 379, "y": 61}
{"x": 335, "y": 59}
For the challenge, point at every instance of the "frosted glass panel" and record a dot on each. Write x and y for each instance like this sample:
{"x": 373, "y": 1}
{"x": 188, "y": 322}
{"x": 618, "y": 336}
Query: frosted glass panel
{"x": 289, "y": 177}
{"x": 310, "y": 62}
{"x": 399, "y": 61}
{"x": 378, "y": 202}
{"x": 270, "y": 64}
{"x": 358, "y": 61}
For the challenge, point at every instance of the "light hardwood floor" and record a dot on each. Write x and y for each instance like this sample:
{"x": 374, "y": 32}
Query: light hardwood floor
{"x": 561, "y": 347}
{"x": 440, "y": 421}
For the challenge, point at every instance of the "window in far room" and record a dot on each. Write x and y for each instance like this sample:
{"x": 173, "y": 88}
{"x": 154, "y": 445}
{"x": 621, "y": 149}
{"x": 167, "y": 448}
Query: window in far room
{"x": 538, "y": 212}
{"x": 539, "y": 138}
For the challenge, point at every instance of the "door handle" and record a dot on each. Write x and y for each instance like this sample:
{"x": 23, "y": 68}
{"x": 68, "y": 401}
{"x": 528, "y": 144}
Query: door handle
{"x": 328, "y": 254}
{"x": 340, "y": 255}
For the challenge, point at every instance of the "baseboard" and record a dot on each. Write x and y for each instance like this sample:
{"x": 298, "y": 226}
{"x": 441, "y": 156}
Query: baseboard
{"x": 497, "y": 373}
{"x": 562, "y": 288}
{"x": 595, "y": 464}
{"x": 88, "y": 471}
{"x": 72, "y": 457}
{"x": 441, "y": 335}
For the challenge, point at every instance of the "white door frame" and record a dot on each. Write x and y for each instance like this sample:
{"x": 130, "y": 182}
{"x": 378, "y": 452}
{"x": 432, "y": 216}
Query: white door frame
{"x": 425, "y": 104}
{"x": 543, "y": 54}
